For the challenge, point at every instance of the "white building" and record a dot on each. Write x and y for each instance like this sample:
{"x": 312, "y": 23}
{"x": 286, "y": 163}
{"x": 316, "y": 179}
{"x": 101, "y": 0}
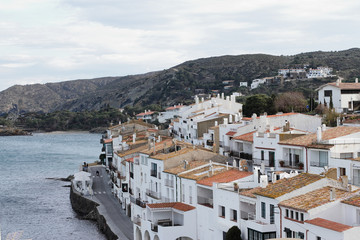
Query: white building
{"x": 243, "y": 84}
{"x": 320, "y": 72}
{"x": 345, "y": 96}
{"x": 170, "y": 113}
{"x": 256, "y": 83}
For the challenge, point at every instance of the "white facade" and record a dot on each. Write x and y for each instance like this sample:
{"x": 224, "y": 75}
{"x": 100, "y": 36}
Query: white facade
{"x": 256, "y": 83}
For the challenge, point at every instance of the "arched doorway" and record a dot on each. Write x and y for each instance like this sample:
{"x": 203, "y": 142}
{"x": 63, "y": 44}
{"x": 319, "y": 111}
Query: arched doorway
{"x": 184, "y": 238}
{"x": 156, "y": 237}
{"x": 138, "y": 234}
{"x": 147, "y": 235}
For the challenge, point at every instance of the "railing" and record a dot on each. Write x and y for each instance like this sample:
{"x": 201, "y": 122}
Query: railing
{"x": 258, "y": 161}
{"x": 288, "y": 163}
{"x": 318, "y": 164}
{"x": 136, "y": 161}
{"x": 152, "y": 194}
{"x": 169, "y": 183}
{"x": 208, "y": 202}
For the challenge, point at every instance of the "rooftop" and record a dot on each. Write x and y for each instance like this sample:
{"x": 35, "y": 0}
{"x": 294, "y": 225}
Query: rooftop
{"x": 314, "y": 199}
{"x": 108, "y": 140}
{"x": 190, "y": 165}
{"x": 248, "y": 137}
{"x": 158, "y": 146}
{"x": 335, "y": 226}
{"x": 309, "y": 140}
{"x": 131, "y": 151}
{"x": 355, "y": 201}
{"x": 287, "y": 185}
{"x": 345, "y": 86}
{"x": 176, "y": 205}
{"x": 145, "y": 113}
{"x": 224, "y": 177}
{"x": 205, "y": 171}
{"x": 164, "y": 156}
{"x": 231, "y": 133}
{"x": 249, "y": 192}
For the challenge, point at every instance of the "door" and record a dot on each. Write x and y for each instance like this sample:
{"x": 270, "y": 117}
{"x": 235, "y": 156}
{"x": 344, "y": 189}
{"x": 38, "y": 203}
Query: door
{"x": 271, "y": 159}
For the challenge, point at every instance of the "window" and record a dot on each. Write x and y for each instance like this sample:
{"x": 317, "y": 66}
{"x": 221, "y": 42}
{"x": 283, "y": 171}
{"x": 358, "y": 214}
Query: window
{"x": 272, "y": 218}
{"x": 323, "y": 159}
{"x": 222, "y": 211}
{"x": 190, "y": 194}
{"x": 233, "y": 215}
{"x": 263, "y": 210}
{"x": 292, "y": 214}
{"x": 301, "y": 217}
{"x": 328, "y": 93}
{"x": 297, "y": 215}
{"x": 318, "y": 238}
{"x": 287, "y": 213}
{"x": 342, "y": 171}
{"x": 153, "y": 169}
{"x": 262, "y": 154}
{"x": 346, "y": 155}
{"x": 255, "y": 235}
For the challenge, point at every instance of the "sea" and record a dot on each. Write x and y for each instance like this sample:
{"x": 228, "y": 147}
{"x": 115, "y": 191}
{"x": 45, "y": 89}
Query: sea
{"x": 34, "y": 204}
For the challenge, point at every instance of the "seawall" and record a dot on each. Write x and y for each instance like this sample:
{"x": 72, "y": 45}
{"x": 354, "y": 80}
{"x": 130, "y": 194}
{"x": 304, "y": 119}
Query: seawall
{"x": 88, "y": 209}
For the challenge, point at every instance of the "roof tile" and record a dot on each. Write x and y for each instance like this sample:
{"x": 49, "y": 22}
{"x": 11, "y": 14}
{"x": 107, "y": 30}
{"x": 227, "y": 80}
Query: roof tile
{"x": 335, "y": 226}
{"x": 176, "y": 205}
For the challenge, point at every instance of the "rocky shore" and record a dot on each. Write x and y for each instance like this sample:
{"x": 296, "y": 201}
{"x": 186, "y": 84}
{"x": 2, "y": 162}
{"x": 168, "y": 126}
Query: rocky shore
{"x": 88, "y": 209}
{"x": 14, "y": 132}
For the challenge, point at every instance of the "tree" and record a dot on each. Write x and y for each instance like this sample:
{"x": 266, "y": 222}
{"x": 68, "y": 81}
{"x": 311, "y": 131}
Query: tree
{"x": 331, "y": 104}
{"x": 290, "y": 101}
{"x": 258, "y": 104}
{"x": 233, "y": 233}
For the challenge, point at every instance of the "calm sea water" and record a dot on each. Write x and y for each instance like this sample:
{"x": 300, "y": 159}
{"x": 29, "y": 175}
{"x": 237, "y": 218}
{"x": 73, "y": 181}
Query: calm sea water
{"x": 33, "y": 204}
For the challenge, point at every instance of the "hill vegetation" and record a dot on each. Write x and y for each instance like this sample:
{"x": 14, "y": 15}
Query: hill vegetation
{"x": 176, "y": 85}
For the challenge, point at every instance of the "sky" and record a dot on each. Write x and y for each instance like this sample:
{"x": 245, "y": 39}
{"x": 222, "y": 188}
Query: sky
{"x": 57, "y": 40}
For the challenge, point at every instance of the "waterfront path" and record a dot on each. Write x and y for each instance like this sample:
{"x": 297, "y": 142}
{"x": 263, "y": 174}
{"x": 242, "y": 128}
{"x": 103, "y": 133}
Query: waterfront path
{"x": 109, "y": 207}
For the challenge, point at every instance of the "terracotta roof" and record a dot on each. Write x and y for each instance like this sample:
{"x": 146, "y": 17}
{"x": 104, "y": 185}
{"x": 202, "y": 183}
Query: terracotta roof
{"x": 345, "y": 85}
{"x": 176, "y": 107}
{"x": 190, "y": 165}
{"x": 176, "y": 120}
{"x": 144, "y": 114}
{"x": 249, "y": 192}
{"x": 108, "y": 140}
{"x": 158, "y": 146}
{"x": 309, "y": 140}
{"x": 224, "y": 177}
{"x": 130, "y": 160}
{"x": 335, "y": 226}
{"x": 231, "y": 133}
{"x": 176, "y": 205}
{"x": 355, "y": 201}
{"x": 165, "y": 156}
{"x": 287, "y": 185}
{"x": 152, "y": 130}
{"x": 248, "y": 137}
{"x": 203, "y": 172}
{"x": 131, "y": 151}
{"x": 313, "y": 199}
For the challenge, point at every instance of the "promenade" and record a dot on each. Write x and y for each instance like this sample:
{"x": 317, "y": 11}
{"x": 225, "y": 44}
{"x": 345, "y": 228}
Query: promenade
{"x": 110, "y": 208}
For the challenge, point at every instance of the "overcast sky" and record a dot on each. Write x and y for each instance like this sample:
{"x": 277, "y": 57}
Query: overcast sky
{"x": 56, "y": 40}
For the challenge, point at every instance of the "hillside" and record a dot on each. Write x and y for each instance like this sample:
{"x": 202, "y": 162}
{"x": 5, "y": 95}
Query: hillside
{"x": 174, "y": 85}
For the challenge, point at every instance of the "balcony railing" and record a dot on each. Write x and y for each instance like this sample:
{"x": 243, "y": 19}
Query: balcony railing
{"x": 318, "y": 164}
{"x": 169, "y": 183}
{"x": 154, "y": 228}
{"x": 210, "y": 143}
{"x": 207, "y": 202}
{"x": 152, "y": 194}
{"x": 138, "y": 202}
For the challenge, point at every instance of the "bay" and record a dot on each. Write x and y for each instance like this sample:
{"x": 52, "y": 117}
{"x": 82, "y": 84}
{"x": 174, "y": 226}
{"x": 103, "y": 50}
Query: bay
{"x": 30, "y": 202}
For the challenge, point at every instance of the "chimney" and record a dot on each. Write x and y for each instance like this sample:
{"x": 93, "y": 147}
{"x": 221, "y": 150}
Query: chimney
{"x": 318, "y": 134}
{"x": 230, "y": 118}
{"x": 202, "y": 99}
{"x": 196, "y": 99}
{"x": 227, "y": 166}
{"x": 273, "y": 177}
{"x": 234, "y": 163}
{"x": 159, "y": 139}
{"x": 222, "y": 96}
{"x": 236, "y": 118}
{"x": 225, "y": 121}
{"x": 332, "y": 194}
{"x": 356, "y": 80}
{"x": 216, "y": 123}
{"x": 134, "y": 137}
{"x": 263, "y": 181}
{"x": 338, "y": 82}
{"x": 185, "y": 164}
{"x": 323, "y": 127}
{"x": 218, "y": 95}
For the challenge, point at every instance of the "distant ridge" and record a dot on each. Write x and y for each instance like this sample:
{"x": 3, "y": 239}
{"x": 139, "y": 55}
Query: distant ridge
{"x": 169, "y": 86}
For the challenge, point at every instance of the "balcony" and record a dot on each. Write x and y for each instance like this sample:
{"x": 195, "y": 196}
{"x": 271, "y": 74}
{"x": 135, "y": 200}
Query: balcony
{"x": 138, "y": 202}
{"x": 154, "y": 228}
{"x": 210, "y": 143}
{"x": 137, "y": 221}
{"x": 152, "y": 194}
{"x": 207, "y": 202}
{"x": 169, "y": 183}
{"x": 247, "y": 215}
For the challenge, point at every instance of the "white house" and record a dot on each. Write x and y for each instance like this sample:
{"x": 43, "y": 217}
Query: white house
{"x": 345, "y": 96}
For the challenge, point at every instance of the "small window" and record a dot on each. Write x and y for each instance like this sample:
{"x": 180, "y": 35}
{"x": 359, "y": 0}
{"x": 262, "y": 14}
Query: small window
{"x": 287, "y": 212}
{"x": 318, "y": 238}
{"x": 292, "y": 214}
{"x": 297, "y": 215}
{"x": 262, "y": 154}
{"x": 233, "y": 215}
{"x": 222, "y": 211}
{"x": 328, "y": 93}
{"x": 263, "y": 210}
{"x": 301, "y": 217}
